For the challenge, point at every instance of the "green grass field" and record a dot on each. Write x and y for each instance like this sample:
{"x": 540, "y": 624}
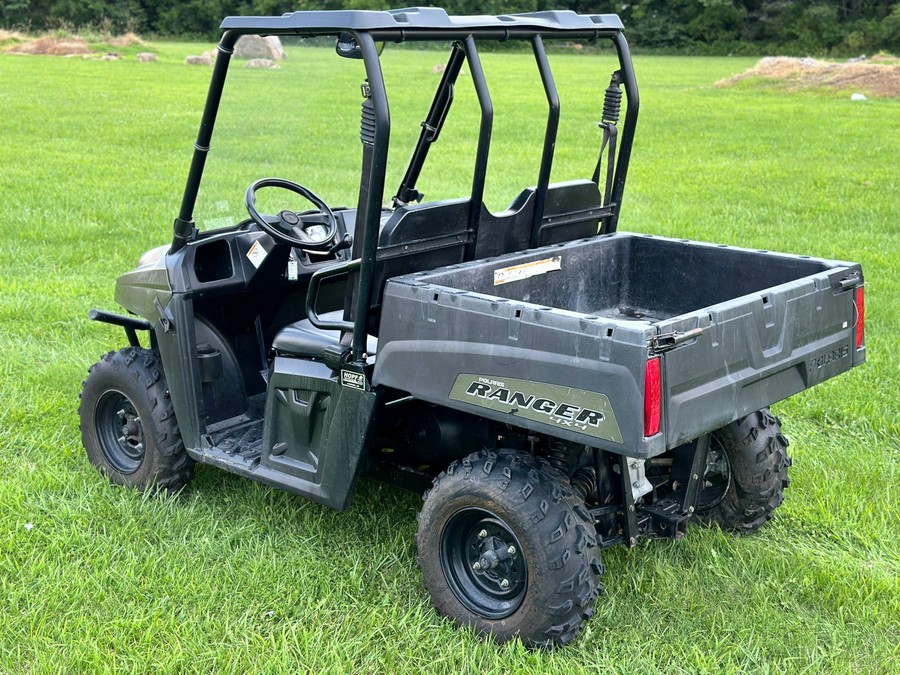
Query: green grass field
{"x": 234, "y": 577}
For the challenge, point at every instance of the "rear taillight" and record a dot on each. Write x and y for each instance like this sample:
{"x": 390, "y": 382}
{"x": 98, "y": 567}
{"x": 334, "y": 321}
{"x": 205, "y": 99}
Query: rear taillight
{"x": 652, "y": 398}
{"x": 860, "y": 316}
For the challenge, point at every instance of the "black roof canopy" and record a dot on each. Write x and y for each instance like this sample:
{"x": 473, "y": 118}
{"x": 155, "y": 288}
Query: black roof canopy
{"x": 424, "y": 22}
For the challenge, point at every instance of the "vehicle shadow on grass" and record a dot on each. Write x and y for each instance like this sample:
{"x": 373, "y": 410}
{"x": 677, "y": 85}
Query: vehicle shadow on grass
{"x": 376, "y": 511}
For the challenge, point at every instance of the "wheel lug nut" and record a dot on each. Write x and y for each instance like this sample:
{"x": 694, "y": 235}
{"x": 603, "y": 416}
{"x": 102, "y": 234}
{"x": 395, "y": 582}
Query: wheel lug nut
{"x": 476, "y": 566}
{"x": 482, "y": 534}
{"x": 504, "y": 584}
{"x": 511, "y": 550}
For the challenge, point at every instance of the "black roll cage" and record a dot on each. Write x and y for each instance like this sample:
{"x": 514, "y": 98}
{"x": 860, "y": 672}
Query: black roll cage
{"x": 367, "y": 28}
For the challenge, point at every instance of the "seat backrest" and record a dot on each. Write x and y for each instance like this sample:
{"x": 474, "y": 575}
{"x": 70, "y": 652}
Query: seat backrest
{"x": 420, "y": 237}
{"x": 419, "y": 222}
{"x": 571, "y": 211}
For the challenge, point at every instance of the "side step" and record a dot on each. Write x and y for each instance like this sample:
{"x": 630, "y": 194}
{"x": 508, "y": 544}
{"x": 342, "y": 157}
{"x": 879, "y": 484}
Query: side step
{"x": 234, "y": 444}
{"x": 307, "y": 434}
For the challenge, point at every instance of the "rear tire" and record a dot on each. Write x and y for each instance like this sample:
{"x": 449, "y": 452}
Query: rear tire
{"x": 506, "y": 546}
{"x": 747, "y": 472}
{"x": 128, "y": 424}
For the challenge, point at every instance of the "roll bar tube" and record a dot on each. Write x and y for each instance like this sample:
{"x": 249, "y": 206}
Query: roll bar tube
{"x": 431, "y": 127}
{"x": 540, "y": 56}
{"x": 184, "y": 223}
{"x": 484, "y": 142}
{"x": 374, "y": 189}
{"x": 631, "y": 114}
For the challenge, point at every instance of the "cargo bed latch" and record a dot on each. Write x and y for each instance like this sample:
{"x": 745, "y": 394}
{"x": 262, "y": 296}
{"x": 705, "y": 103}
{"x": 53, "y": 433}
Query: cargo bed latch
{"x": 852, "y": 281}
{"x": 666, "y": 342}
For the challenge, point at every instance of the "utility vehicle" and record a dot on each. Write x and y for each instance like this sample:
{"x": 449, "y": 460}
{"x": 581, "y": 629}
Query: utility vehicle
{"x": 553, "y": 385}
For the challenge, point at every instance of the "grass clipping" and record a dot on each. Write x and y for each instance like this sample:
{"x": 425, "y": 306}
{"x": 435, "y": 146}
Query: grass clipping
{"x": 878, "y": 76}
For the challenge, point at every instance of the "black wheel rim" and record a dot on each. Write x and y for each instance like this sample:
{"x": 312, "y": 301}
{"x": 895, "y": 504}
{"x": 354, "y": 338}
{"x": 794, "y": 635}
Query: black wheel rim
{"x": 483, "y": 563}
{"x": 120, "y": 432}
{"x": 717, "y": 478}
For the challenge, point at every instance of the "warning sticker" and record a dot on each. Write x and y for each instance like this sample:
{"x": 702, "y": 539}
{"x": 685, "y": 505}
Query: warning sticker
{"x": 526, "y": 270}
{"x": 353, "y": 379}
{"x": 257, "y": 254}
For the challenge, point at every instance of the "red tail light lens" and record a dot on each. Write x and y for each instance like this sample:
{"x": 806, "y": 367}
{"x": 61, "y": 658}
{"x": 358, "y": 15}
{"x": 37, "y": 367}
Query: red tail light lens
{"x": 652, "y": 398}
{"x": 860, "y": 316}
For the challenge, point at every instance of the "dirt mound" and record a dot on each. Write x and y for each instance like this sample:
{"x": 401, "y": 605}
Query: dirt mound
{"x": 127, "y": 40}
{"x": 52, "y": 46}
{"x": 875, "y": 77}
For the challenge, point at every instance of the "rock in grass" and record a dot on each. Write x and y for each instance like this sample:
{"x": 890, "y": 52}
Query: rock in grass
{"x": 277, "y": 48}
{"x": 198, "y": 60}
{"x": 262, "y": 63}
{"x": 146, "y": 57}
{"x": 256, "y": 47}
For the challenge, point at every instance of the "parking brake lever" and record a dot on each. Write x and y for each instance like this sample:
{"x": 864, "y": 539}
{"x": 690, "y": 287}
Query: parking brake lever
{"x": 345, "y": 242}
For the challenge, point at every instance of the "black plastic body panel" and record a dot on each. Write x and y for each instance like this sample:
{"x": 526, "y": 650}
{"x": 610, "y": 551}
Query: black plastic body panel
{"x": 314, "y": 437}
{"x": 761, "y": 347}
{"x": 585, "y": 314}
{"x": 206, "y": 298}
{"x": 316, "y": 431}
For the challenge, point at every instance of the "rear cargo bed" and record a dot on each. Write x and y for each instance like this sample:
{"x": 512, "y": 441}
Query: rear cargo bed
{"x": 586, "y": 315}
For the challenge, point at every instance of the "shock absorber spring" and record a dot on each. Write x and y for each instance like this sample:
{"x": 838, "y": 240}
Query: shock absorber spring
{"x": 562, "y": 457}
{"x": 612, "y": 100}
{"x": 585, "y": 481}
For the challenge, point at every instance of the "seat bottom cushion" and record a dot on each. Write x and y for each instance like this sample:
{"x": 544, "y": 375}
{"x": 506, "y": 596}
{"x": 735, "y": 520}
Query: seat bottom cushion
{"x": 301, "y": 338}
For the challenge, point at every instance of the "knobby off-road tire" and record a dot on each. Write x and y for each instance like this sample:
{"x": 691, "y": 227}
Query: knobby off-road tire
{"x": 746, "y": 474}
{"x": 128, "y": 424}
{"x": 517, "y": 513}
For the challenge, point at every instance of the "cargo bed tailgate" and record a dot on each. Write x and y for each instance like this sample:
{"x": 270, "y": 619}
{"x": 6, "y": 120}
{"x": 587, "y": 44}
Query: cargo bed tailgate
{"x": 735, "y": 357}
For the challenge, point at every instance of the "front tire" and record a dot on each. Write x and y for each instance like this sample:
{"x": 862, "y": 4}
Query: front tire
{"x": 128, "y": 424}
{"x": 747, "y": 472}
{"x": 506, "y": 546}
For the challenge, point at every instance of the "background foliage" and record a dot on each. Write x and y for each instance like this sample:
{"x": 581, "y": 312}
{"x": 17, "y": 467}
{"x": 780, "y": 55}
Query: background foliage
{"x": 699, "y": 26}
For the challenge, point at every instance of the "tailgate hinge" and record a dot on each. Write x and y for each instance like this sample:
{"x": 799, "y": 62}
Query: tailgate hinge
{"x": 665, "y": 342}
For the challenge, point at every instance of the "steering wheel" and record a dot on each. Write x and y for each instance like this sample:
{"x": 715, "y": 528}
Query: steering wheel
{"x": 289, "y": 227}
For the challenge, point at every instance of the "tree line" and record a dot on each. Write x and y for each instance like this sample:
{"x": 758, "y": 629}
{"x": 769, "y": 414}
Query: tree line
{"x": 840, "y": 27}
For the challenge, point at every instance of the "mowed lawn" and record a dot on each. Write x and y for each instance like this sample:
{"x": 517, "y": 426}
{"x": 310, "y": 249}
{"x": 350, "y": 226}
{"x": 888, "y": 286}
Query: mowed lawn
{"x": 234, "y": 577}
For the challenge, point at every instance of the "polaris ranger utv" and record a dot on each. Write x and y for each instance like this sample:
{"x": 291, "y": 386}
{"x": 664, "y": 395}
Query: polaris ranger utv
{"x": 554, "y": 386}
